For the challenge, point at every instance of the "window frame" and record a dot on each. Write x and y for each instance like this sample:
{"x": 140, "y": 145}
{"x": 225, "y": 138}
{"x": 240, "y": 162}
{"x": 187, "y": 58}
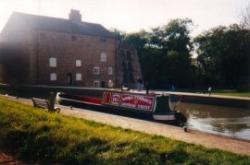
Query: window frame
{"x": 78, "y": 77}
{"x": 103, "y": 57}
{"x": 73, "y": 38}
{"x": 51, "y": 76}
{"x": 98, "y": 82}
{"x": 110, "y": 70}
{"x": 96, "y": 72}
{"x": 52, "y": 64}
{"x": 103, "y": 40}
{"x": 78, "y": 64}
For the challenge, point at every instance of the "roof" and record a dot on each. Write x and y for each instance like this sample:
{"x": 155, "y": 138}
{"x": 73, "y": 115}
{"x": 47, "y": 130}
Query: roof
{"x": 57, "y": 25}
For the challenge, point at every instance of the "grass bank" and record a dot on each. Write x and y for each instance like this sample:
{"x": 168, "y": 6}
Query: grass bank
{"x": 231, "y": 93}
{"x": 33, "y": 134}
{"x": 220, "y": 92}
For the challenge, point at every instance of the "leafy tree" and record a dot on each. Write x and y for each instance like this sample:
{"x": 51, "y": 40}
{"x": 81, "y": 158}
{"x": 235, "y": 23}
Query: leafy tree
{"x": 164, "y": 54}
{"x": 245, "y": 17}
{"x": 138, "y": 40}
{"x": 118, "y": 34}
{"x": 224, "y": 54}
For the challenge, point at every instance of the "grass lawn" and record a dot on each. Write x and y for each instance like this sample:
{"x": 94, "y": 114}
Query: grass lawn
{"x": 35, "y": 135}
{"x": 220, "y": 92}
{"x": 232, "y": 93}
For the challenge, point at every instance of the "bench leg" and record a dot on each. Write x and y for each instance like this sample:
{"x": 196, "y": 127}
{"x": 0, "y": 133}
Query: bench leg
{"x": 52, "y": 100}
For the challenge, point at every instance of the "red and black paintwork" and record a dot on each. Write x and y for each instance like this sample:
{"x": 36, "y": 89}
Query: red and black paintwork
{"x": 162, "y": 107}
{"x": 80, "y": 99}
{"x": 155, "y": 104}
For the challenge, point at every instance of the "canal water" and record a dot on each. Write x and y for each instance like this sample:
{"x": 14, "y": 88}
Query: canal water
{"x": 227, "y": 121}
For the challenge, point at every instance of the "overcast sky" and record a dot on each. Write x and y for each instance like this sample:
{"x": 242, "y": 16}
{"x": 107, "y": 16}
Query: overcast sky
{"x": 133, "y": 15}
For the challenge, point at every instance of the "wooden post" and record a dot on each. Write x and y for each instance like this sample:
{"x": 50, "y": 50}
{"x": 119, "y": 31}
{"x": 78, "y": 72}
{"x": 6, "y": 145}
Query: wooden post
{"x": 52, "y": 100}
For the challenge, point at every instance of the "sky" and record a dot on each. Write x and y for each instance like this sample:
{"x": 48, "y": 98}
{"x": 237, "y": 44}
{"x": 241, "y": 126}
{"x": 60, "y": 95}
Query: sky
{"x": 133, "y": 15}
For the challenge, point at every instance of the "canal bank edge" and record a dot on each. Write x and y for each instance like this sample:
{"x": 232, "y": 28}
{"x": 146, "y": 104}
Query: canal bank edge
{"x": 197, "y": 98}
{"x": 195, "y": 137}
{"x": 218, "y": 100}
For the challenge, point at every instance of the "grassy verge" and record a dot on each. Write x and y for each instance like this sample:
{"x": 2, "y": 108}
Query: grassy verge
{"x": 232, "y": 93}
{"x": 220, "y": 92}
{"x": 36, "y": 135}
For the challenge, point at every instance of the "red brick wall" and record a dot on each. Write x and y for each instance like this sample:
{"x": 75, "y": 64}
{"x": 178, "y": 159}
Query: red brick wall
{"x": 66, "y": 51}
{"x": 30, "y": 62}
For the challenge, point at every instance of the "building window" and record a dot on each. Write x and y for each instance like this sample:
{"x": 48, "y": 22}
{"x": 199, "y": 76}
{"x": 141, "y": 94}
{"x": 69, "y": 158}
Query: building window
{"x": 73, "y": 38}
{"x": 53, "y": 77}
{"x": 110, "y": 70}
{"x": 96, "y": 83}
{"x": 102, "y": 39}
{"x": 96, "y": 70}
{"x": 52, "y": 62}
{"x": 103, "y": 57}
{"x": 78, "y": 63}
{"x": 78, "y": 76}
{"x": 42, "y": 35}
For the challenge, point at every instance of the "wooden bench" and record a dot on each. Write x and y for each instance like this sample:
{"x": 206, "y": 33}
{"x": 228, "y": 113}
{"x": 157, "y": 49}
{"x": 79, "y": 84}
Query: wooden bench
{"x": 43, "y": 103}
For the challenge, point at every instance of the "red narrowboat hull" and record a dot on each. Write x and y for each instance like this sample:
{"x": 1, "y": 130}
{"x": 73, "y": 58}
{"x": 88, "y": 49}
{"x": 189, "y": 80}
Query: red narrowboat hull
{"x": 157, "y": 105}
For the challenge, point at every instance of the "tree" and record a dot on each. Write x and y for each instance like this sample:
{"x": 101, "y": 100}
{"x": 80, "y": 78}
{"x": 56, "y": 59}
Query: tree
{"x": 224, "y": 54}
{"x": 164, "y": 54}
{"x": 118, "y": 34}
{"x": 138, "y": 40}
{"x": 245, "y": 17}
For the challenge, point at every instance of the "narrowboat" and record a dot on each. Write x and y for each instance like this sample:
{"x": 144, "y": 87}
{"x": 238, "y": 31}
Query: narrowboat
{"x": 159, "y": 105}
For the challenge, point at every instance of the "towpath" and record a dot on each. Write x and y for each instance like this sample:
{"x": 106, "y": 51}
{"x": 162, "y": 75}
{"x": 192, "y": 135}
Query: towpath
{"x": 150, "y": 127}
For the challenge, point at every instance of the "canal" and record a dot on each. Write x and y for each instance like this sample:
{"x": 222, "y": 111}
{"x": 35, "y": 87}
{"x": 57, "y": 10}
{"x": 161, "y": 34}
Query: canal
{"x": 220, "y": 120}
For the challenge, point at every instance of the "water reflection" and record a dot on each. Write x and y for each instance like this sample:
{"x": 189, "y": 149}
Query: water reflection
{"x": 233, "y": 122}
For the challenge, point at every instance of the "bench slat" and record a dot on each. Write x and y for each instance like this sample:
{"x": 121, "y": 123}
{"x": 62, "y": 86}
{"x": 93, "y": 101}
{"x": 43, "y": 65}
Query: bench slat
{"x": 42, "y": 103}
{"x": 37, "y": 102}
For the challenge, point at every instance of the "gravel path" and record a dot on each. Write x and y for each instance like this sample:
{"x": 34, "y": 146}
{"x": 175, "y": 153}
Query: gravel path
{"x": 173, "y": 132}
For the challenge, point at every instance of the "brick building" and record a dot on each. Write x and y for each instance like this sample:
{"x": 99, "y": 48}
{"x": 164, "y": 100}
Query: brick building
{"x": 53, "y": 51}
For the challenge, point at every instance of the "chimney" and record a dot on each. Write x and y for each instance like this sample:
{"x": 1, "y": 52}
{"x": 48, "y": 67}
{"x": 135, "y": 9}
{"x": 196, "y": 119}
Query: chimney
{"x": 75, "y": 16}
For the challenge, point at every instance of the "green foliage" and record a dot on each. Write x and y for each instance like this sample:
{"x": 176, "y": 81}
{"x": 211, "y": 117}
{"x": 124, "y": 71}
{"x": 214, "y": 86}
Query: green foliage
{"x": 245, "y": 17}
{"x": 224, "y": 56}
{"x": 33, "y": 134}
{"x": 164, "y": 54}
